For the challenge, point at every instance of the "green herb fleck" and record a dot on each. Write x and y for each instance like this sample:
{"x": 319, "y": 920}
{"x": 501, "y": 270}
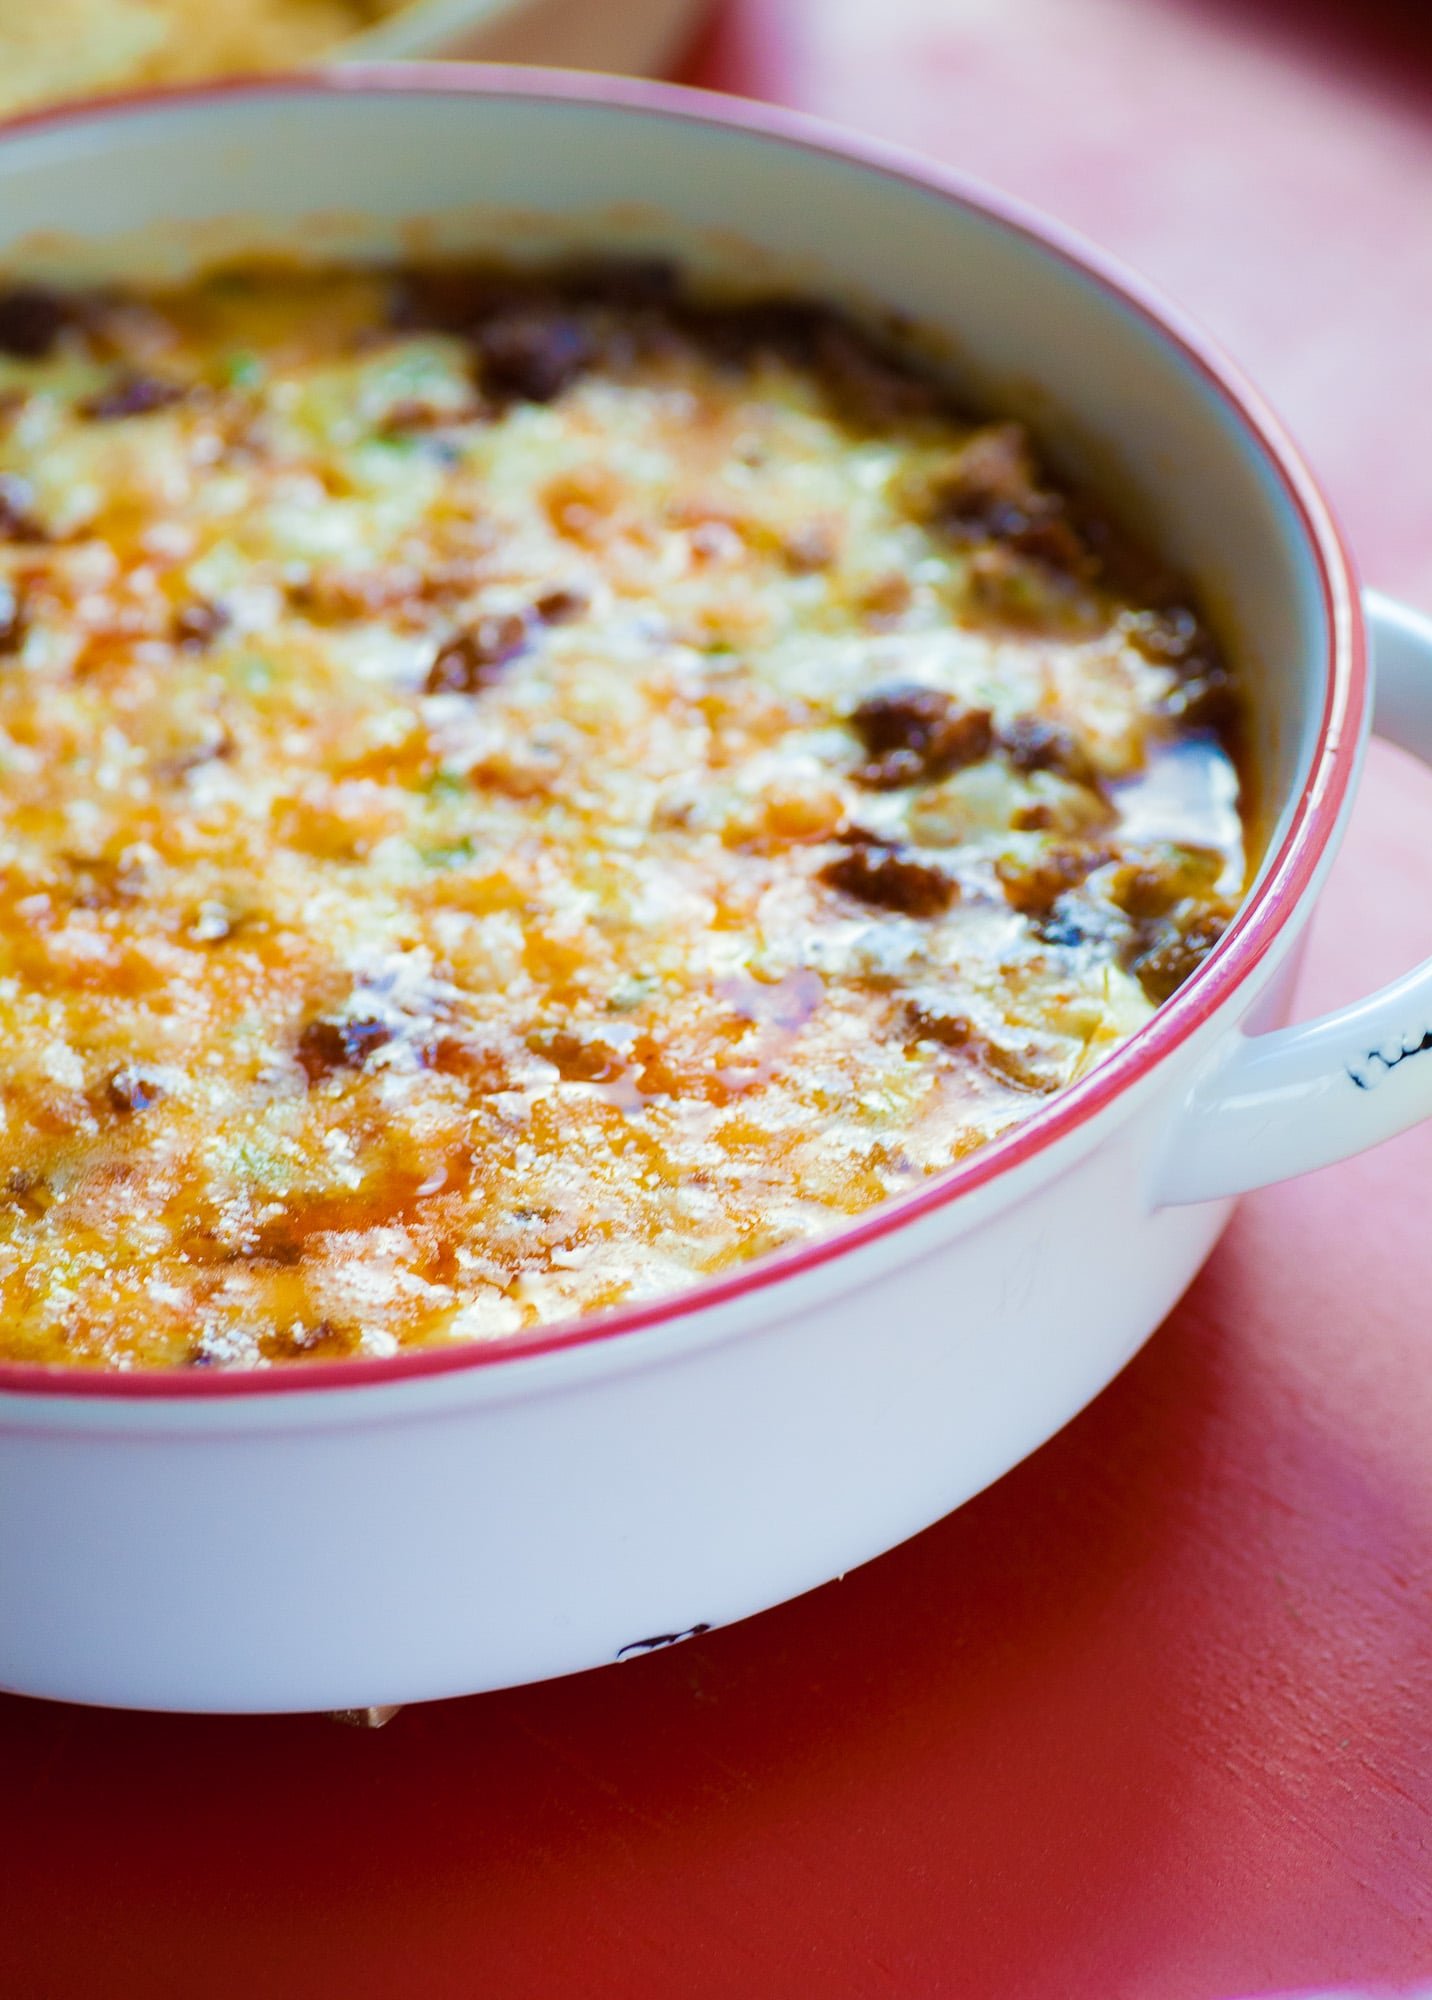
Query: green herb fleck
{"x": 630, "y": 991}
{"x": 243, "y": 370}
{"x": 451, "y": 854}
{"x": 253, "y": 672}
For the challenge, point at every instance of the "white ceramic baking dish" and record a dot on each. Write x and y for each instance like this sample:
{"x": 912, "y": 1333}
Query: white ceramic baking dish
{"x": 355, "y": 1534}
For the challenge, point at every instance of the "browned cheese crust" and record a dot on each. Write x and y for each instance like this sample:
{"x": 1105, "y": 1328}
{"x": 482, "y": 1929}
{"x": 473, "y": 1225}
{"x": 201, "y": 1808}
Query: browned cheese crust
{"x": 517, "y": 793}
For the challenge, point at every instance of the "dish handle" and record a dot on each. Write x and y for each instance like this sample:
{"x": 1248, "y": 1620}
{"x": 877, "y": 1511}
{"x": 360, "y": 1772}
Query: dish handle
{"x": 1283, "y": 1103}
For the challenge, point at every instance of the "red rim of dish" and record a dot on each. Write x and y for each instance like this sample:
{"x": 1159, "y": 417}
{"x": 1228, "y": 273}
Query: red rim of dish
{"x": 1289, "y": 874}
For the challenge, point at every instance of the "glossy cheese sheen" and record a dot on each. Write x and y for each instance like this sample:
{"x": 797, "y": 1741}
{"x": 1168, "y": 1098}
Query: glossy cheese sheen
{"x": 516, "y": 795}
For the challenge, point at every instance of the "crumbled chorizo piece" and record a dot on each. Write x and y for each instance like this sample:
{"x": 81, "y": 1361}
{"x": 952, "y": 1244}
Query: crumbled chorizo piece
{"x": 1206, "y": 700}
{"x": 891, "y": 879}
{"x": 482, "y": 1069}
{"x": 1071, "y": 922}
{"x": 1038, "y": 743}
{"x": 957, "y": 1031}
{"x": 886, "y": 599}
{"x": 408, "y": 415}
{"x": 327, "y": 1046}
{"x": 531, "y": 357}
{"x": 902, "y": 717}
{"x": 993, "y": 492}
{"x": 132, "y": 395}
{"x": 132, "y": 1089}
{"x": 1033, "y": 884}
{"x": 1181, "y": 947}
{"x": 17, "y": 519}
{"x": 577, "y": 1059}
{"x": 994, "y": 474}
{"x": 475, "y": 658}
{"x": 1203, "y": 695}
{"x": 198, "y": 624}
{"x": 12, "y": 618}
{"x": 30, "y": 1193}
{"x": 449, "y": 298}
{"x": 867, "y": 380}
{"x": 627, "y": 284}
{"x": 913, "y": 734}
{"x": 936, "y": 1024}
{"x": 1151, "y": 884}
{"x": 561, "y": 607}
{"x": 1005, "y": 589}
{"x": 812, "y": 546}
{"x": 532, "y": 335}
{"x": 1142, "y": 892}
{"x": 1051, "y": 538}
{"x": 870, "y": 384}
{"x": 105, "y": 883}
{"x": 32, "y": 318}
{"x": 742, "y": 331}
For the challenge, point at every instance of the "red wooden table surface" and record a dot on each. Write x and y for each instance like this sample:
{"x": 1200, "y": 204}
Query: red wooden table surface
{"x": 1151, "y": 1718}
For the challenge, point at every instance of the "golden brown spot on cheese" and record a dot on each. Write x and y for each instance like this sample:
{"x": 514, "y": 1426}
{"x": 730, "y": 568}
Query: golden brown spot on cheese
{"x": 198, "y": 624}
{"x": 521, "y": 790}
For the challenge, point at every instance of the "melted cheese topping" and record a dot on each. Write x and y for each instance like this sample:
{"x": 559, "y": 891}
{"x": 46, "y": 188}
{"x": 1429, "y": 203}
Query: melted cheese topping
{"x": 514, "y": 801}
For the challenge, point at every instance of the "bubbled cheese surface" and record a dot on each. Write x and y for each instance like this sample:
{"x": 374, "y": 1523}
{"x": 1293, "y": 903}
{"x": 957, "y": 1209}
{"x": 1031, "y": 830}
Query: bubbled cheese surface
{"x": 449, "y": 880}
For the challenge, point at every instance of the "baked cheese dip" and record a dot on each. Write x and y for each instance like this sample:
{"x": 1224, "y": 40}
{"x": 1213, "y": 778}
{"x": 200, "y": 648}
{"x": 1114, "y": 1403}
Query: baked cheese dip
{"x": 519, "y": 792}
